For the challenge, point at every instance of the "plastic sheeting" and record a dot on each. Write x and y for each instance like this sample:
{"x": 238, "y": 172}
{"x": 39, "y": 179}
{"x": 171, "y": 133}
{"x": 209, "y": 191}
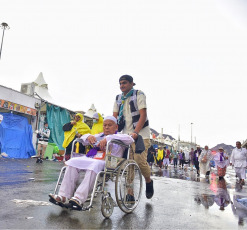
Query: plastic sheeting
{"x": 16, "y": 136}
{"x": 56, "y": 118}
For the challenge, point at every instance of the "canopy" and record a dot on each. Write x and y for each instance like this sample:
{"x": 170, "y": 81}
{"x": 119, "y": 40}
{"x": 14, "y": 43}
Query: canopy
{"x": 16, "y": 136}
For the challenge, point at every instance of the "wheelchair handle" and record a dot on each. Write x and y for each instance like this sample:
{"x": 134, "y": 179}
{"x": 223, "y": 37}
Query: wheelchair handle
{"x": 118, "y": 142}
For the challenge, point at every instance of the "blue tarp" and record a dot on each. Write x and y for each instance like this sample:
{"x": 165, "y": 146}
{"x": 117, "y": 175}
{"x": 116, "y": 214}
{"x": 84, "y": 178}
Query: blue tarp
{"x": 16, "y": 136}
{"x": 57, "y": 117}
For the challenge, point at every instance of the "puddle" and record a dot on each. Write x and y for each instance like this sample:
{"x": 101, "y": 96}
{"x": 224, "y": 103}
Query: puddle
{"x": 26, "y": 203}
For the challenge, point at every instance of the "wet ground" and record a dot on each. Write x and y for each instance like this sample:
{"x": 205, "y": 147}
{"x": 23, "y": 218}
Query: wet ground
{"x": 181, "y": 201}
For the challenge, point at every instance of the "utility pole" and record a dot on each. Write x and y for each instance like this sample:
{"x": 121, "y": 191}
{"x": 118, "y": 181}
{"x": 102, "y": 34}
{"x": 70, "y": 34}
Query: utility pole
{"x": 4, "y": 26}
{"x": 178, "y": 137}
{"x": 191, "y": 131}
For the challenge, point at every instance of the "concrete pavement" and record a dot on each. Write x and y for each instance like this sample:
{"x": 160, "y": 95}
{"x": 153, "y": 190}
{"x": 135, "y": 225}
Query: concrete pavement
{"x": 181, "y": 201}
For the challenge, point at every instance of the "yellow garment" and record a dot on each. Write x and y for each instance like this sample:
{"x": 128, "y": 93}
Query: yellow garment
{"x": 77, "y": 147}
{"x": 80, "y": 127}
{"x": 160, "y": 154}
{"x": 98, "y": 127}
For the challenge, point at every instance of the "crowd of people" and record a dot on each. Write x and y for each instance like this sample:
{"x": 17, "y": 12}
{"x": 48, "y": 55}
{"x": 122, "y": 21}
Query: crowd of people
{"x": 202, "y": 160}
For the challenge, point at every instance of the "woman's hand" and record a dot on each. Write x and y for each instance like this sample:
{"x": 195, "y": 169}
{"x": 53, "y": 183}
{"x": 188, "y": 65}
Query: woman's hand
{"x": 73, "y": 122}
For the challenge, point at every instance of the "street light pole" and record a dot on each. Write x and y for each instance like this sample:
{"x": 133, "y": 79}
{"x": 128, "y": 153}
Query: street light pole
{"x": 4, "y": 26}
{"x": 191, "y": 131}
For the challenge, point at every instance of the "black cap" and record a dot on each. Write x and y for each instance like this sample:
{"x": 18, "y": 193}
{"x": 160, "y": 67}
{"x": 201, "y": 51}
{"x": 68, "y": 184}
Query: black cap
{"x": 127, "y": 78}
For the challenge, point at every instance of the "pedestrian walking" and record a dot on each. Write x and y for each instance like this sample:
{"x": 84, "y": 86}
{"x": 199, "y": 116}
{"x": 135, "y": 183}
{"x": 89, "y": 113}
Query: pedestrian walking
{"x": 181, "y": 159}
{"x": 151, "y": 156}
{"x": 204, "y": 161}
{"x": 221, "y": 162}
{"x": 197, "y": 154}
{"x": 175, "y": 158}
{"x": 191, "y": 158}
{"x": 160, "y": 157}
{"x": 43, "y": 138}
{"x": 130, "y": 109}
{"x": 166, "y": 161}
{"x": 238, "y": 159}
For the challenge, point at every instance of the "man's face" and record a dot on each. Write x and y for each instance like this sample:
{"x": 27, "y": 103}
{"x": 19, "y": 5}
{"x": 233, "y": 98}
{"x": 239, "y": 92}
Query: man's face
{"x": 192, "y": 149}
{"x": 46, "y": 126}
{"x": 206, "y": 147}
{"x": 109, "y": 127}
{"x": 125, "y": 86}
{"x": 238, "y": 145}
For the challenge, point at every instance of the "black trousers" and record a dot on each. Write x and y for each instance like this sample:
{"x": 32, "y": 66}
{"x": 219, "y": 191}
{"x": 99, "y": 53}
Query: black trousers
{"x": 175, "y": 162}
{"x": 196, "y": 163}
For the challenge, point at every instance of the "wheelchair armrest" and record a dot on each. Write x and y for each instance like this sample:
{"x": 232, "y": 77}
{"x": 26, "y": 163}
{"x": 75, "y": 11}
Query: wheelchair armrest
{"x": 79, "y": 140}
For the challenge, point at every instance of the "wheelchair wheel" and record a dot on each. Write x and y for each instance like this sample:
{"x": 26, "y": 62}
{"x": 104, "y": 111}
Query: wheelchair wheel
{"x": 128, "y": 186}
{"x": 107, "y": 206}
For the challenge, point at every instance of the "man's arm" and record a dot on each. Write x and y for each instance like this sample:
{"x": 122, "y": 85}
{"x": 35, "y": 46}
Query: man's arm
{"x": 140, "y": 123}
{"x": 67, "y": 126}
{"x": 232, "y": 158}
{"x": 115, "y": 114}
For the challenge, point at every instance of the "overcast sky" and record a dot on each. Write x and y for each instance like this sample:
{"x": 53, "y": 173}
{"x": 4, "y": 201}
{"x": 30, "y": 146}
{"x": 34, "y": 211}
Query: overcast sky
{"x": 188, "y": 56}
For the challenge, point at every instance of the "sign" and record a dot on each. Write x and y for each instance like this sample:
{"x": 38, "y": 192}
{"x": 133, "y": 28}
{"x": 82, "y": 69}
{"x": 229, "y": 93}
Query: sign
{"x": 16, "y": 107}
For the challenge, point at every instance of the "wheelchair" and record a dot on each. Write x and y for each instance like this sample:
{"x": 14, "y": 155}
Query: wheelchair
{"x": 124, "y": 172}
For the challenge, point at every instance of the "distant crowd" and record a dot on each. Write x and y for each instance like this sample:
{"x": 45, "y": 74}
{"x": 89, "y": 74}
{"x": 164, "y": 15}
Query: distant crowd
{"x": 202, "y": 160}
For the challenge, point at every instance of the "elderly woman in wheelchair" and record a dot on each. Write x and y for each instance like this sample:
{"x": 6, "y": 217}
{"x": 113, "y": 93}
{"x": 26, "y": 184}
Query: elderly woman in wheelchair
{"x": 93, "y": 163}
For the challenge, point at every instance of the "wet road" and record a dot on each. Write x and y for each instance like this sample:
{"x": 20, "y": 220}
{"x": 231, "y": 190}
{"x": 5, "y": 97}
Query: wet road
{"x": 181, "y": 201}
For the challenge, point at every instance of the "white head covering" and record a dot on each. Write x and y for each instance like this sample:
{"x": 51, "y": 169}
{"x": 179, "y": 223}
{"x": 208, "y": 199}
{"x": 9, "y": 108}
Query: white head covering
{"x": 1, "y": 117}
{"x": 111, "y": 118}
{"x": 96, "y": 115}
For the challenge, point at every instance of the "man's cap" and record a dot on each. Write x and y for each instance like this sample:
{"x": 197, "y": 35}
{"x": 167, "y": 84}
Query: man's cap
{"x": 221, "y": 148}
{"x": 111, "y": 118}
{"x": 127, "y": 78}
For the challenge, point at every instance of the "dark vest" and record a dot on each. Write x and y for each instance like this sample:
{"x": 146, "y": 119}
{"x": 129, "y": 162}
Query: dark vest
{"x": 133, "y": 108}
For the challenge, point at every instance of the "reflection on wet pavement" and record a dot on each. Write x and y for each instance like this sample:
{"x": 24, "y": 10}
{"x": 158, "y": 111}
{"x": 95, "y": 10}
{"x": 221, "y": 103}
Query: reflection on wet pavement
{"x": 220, "y": 194}
{"x": 177, "y": 173}
{"x": 199, "y": 202}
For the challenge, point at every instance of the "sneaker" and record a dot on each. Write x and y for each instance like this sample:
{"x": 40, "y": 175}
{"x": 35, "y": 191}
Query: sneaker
{"x": 149, "y": 190}
{"x": 130, "y": 199}
{"x": 39, "y": 160}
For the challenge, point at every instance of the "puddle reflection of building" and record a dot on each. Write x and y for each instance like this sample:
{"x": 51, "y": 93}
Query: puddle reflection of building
{"x": 222, "y": 197}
